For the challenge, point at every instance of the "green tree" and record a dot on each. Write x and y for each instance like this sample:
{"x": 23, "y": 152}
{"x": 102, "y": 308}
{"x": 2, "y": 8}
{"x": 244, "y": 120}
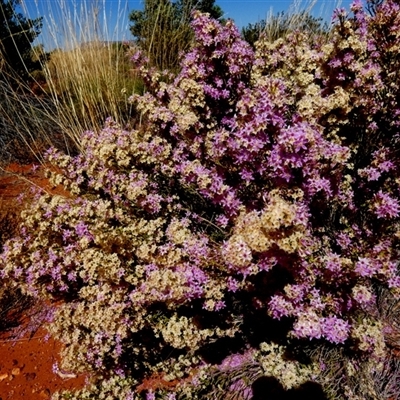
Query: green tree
{"x": 185, "y": 7}
{"x": 162, "y": 28}
{"x": 281, "y": 24}
{"x": 16, "y": 36}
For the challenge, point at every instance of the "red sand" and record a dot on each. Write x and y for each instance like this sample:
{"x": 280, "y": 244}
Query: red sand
{"x": 26, "y": 369}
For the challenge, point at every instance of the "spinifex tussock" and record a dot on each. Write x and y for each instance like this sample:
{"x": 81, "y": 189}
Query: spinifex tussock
{"x": 89, "y": 83}
{"x": 85, "y": 77}
{"x": 29, "y": 125}
{"x": 88, "y": 76}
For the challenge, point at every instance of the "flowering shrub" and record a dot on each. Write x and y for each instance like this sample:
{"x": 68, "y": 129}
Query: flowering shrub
{"x": 256, "y": 203}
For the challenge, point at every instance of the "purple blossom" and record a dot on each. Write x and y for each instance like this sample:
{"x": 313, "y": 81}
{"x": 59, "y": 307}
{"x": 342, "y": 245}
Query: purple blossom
{"x": 335, "y": 330}
{"x": 55, "y": 368}
{"x": 219, "y": 305}
{"x": 319, "y": 184}
{"x": 280, "y": 307}
{"x": 362, "y": 295}
{"x": 246, "y": 175}
{"x": 82, "y": 230}
{"x": 222, "y": 221}
{"x": 235, "y": 361}
{"x": 18, "y": 272}
{"x": 339, "y": 13}
{"x": 308, "y": 325}
{"x": 367, "y": 267}
{"x": 66, "y": 234}
{"x": 371, "y": 173}
{"x": 386, "y": 206}
{"x": 48, "y": 214}
{"x": 333, "y": 263}
{"x": 150, "y": 395}
{"x": 129, "y": 396}
{"x": 72, "y": 276}
{"x": 386, "y": 166}
{"x": 195, "y": 280}
{"x": 232, "y": 285}
{"x": 316, "y": 300}
{"x": 394, "y": 282}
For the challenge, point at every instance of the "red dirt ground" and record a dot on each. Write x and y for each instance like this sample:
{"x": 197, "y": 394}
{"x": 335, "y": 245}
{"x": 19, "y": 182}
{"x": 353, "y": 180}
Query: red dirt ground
{"x": 26, "y": 369}
{"x": 26, "y": 363}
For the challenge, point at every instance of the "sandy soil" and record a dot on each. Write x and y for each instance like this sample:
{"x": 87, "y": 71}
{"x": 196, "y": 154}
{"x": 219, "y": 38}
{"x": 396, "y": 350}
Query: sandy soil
{"x": 26, "y": 368}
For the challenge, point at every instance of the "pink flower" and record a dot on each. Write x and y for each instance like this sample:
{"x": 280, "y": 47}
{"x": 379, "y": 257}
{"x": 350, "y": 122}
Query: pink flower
{"x": 308, "y": 325}
{"x": 280, "y": 307}
{"x": 386, "y": 206}
{"x": 366, "y": 266}
{"x": 222, "y": 221}
{"x": 335, "y": 330}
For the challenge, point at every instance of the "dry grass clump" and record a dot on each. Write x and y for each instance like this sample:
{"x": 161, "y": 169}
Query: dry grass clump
{"x": 28, "y": 126}
{"x": 389, "y": 311}
{"x": 345, "y": 377}
{"x": 88, "y": 76}
{"x": 86, "y": 79}
{"x": 89, "y": 83}
{"x": 78, "y": 89}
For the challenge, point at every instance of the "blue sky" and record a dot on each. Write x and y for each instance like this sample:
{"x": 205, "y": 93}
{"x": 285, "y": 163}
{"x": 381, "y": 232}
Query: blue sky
{"x": 250, "y": 11}
{"x": 114, "y": 22}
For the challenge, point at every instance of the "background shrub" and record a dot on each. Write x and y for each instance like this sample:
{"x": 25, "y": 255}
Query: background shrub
{"x": 17, "y": 34}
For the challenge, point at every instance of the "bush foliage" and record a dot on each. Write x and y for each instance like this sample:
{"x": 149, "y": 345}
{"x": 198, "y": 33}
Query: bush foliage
{"x": 253, "y": 213}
